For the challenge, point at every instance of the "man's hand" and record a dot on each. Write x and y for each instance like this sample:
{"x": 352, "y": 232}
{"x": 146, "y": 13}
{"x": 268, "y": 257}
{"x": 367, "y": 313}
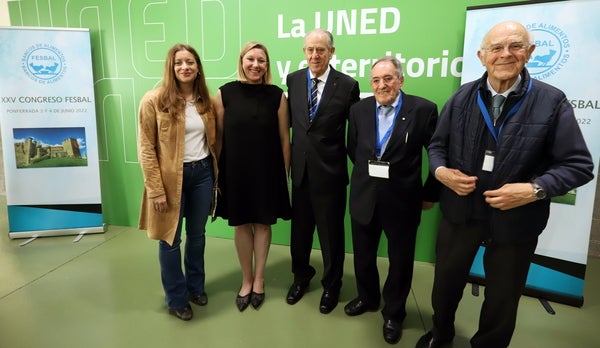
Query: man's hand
{"x": 510, "y": 196}
{"x": 456, "y": 180}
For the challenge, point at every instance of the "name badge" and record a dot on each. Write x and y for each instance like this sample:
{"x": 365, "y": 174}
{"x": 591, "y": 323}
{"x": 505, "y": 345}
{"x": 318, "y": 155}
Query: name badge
{"x": 379, "y": 169}
{"x": 488, "y": 161}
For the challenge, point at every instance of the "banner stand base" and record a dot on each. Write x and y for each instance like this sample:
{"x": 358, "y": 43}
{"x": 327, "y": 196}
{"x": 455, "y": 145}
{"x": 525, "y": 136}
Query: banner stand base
{"x": 29, "y": 240}
{"x": 547, "y": 295}
{"x": 63, "y": 232}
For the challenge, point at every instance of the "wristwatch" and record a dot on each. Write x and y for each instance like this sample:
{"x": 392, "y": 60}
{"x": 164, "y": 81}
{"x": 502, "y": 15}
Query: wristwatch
{"x": 538, "y": 191}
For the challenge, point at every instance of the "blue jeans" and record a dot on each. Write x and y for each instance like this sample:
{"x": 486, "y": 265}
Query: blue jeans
{"x": 196, "y": 193}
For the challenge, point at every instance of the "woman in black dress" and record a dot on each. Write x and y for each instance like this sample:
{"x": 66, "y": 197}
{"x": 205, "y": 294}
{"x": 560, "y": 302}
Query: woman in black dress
{"x": 253, "y": 123}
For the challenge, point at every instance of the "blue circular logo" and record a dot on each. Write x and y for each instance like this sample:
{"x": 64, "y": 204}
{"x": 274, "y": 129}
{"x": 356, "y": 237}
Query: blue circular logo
{"x": 44, "y": 63}
{"x": 551, "y": 52}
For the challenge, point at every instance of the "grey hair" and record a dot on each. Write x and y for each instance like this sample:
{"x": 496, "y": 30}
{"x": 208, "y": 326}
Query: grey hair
{"x": 322, "y": 31}
{"x": 392, "y": 60}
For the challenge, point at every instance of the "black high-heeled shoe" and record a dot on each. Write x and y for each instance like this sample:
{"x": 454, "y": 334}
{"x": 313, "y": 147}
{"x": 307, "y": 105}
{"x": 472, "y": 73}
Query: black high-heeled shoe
{"x": 257, "y": 299}
{"x": 242, "y": 302}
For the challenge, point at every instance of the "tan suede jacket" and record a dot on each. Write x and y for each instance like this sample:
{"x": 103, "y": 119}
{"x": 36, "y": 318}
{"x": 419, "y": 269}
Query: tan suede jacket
{"x": 161, "y": 142}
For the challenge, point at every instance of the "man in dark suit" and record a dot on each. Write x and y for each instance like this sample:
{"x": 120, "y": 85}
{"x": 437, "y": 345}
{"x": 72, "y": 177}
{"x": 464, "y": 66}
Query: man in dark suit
{"x": 387, "y": 135}
{"x": 319, "y": 112}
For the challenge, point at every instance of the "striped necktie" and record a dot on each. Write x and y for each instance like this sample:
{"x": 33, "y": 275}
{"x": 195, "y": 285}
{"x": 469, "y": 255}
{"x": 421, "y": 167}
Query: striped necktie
{"x": 312, "y": 107}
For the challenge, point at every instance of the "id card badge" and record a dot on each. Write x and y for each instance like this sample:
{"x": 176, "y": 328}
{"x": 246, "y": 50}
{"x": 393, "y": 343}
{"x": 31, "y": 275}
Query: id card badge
{"x": 379, "y": 169}
{"x": 488, "y": 161}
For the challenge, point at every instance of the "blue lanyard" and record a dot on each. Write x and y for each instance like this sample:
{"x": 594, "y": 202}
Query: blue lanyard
{"x": 488, "y": 119}
{"x": 388, "y": 133}
{"x": 308, "y": 84}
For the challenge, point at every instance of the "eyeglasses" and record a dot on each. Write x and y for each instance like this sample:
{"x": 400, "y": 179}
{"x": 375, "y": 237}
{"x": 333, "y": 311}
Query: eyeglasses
{"x": 512, "y": 47}
{"x": 387, "y": 79}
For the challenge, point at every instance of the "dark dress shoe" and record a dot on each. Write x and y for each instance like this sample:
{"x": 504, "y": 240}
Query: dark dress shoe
{"x": 184, "y": 313}
{"x": 242, "y": 302}
{"x": 358, "y": 307}
{"x": 329, "y": 301}
{"x": 199, "y": 299}
{"x": 296, "y": 292}
{"x": 428, "y": 341}
{"x": 257, "y": 299}
{"x": 392, "y": 331}
{"x": 299, "y": 286}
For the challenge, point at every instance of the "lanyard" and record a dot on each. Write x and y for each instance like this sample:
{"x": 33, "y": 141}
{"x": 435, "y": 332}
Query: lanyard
{"x": 381, "y": 141}
{"x": 309, "y": 85}
{"x": 488, "y": 119}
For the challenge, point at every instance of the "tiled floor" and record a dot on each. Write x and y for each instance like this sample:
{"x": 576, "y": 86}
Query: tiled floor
{"x": 104, "y": 291}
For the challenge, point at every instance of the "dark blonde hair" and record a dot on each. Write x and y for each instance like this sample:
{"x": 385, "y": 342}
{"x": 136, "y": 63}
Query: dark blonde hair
{"x": 266, "y": 79}
{"x": 170, "y": 99}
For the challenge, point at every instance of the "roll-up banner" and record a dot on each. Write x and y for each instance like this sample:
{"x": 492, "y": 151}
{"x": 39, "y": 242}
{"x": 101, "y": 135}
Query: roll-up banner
{"x": 567, "y": 39}
{"x": 49, "y": 139}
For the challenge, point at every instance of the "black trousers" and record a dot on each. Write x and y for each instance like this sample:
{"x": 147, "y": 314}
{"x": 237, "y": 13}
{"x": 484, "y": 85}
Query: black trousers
{"x": 400, "y": 232}
{"x": 325, "y": 209}
{"x": 506, "y": 267}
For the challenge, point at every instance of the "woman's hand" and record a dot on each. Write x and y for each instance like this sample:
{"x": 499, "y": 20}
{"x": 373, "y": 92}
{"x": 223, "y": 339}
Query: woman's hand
{"x": 160, "y": 204}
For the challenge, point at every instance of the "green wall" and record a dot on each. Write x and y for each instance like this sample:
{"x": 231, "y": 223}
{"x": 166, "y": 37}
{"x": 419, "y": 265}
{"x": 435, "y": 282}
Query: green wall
{"x": 130, "y": 40}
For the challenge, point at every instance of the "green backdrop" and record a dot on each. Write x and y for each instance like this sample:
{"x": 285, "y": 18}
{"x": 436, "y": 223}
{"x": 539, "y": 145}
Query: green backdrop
{"x": 130, "y": 40}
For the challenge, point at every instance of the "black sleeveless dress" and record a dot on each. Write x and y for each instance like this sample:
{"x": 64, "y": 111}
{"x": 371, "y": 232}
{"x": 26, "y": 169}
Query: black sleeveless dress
{"x": 252, "y": 174}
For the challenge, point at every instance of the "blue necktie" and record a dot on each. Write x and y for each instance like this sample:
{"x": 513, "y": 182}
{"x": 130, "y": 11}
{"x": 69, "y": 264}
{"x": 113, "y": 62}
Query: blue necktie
{"x": 385, "y": 114}
{"x": 312, "y": 109}
{"x": 385, "y": 121}
{"x": 497, "y": 102}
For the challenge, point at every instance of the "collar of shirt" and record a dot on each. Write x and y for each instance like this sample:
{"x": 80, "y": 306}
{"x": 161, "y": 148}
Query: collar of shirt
{"x": 393, "y": 105}
{"x": 507, "y": 92}
{"x": 322, "y": 78}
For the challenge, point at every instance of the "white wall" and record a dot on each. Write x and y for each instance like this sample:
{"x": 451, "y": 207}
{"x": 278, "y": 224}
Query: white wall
{"x": 4, "y": 21}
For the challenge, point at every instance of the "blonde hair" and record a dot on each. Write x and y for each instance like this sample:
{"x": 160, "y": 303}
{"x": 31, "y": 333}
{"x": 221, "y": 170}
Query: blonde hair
{"x": 266, "y": 79}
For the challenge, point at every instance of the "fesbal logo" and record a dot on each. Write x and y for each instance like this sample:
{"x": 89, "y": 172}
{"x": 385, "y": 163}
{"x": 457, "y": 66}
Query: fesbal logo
{"x": 551, "y": 52}
{"x": 44, "y": 63}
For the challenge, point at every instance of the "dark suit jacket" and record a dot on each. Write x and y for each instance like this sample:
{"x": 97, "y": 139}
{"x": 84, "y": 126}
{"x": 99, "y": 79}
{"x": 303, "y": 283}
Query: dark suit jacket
{"x": 319, "y": 147}
{"x": 404, "y": 190}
